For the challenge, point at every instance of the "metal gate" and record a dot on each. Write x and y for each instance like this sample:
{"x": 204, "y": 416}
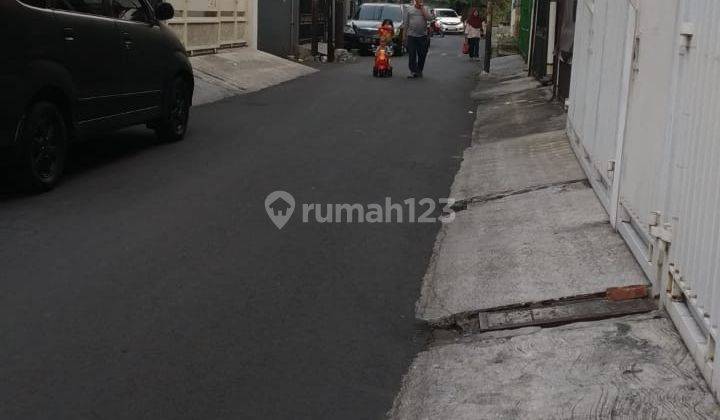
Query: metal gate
{"x": 643, "y": 174}
{"x": 305, "y": 29}
{"x": 526, "y": 8}
{"x": 603, "y": 47}
{"x": 565, "y": 36}
{"x": 278, "y": 26}
{"x": 538, "y": 59}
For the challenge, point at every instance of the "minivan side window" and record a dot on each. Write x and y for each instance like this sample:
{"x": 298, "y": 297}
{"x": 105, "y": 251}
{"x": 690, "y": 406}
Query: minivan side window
{"x": 132, "y": 10}
{"x": 91, "y": 7}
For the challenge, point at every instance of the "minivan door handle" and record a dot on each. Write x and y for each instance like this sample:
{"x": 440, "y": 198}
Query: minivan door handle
{"x": 69, "y": 34}
{"x": 127, "y": 41}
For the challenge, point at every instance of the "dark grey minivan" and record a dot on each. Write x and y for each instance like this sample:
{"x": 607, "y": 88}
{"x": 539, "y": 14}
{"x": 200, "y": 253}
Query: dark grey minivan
{"x": 75, "y": 68}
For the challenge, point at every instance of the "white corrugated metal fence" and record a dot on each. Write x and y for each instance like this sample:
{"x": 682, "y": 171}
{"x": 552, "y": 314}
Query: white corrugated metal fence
{"x": 597, "y": 115}
{"x": 644, "y": 120}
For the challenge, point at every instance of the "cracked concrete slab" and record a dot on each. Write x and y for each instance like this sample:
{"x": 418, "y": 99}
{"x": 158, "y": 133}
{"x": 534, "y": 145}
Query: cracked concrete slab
{"x": 508, "y": 65}
{"x": 505, "y": 87}
{"x": 528, "y": 112}
{"x": 514, "y": 164}
{"x": 632, "y": 367}
{"x": 543, "y": 245}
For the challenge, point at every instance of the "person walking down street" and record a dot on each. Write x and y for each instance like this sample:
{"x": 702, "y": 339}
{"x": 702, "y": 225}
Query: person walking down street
{"x": 435, "y": 27}
{"x": 474, "y": 31}
{"x": 416, "y": 37}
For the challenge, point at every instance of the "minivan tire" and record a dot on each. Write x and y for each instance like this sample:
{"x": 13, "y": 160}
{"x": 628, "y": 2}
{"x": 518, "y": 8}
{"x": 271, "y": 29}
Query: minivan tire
{"x": 173, "y": 124}
{"x": 42, "y": 144}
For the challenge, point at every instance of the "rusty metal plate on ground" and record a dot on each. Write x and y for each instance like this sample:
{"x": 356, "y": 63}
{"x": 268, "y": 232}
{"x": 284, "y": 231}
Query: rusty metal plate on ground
{"x": 562, "y": 313}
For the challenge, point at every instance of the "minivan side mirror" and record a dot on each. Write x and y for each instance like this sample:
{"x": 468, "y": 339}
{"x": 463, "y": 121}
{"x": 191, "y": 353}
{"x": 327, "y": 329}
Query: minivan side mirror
{"x": 164, "y": 11}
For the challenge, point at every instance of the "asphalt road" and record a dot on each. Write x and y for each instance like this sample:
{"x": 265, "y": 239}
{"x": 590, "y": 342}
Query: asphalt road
{"x": 152, "y": 284}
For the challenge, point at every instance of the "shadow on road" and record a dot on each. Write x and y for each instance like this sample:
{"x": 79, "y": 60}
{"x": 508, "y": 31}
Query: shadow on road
{"x": 86, "y": 156}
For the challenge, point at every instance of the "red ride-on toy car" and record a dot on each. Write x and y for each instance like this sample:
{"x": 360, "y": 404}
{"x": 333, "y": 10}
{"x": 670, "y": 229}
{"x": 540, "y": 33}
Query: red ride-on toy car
{"x": 382, "y": 67}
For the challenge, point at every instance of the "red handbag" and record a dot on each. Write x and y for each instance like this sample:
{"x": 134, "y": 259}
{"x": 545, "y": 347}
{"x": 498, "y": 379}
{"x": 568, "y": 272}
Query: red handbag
{"x": 466, "y": 47}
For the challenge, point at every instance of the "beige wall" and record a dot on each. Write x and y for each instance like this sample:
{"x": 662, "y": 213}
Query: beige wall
{"x": 208, "y": 25}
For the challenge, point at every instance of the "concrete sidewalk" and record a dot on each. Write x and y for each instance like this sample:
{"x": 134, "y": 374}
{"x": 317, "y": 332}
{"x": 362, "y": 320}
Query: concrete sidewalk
{"x": 633, "y": 367}
{"x": 531, "y": 257}
{"x": 240, "y": 70}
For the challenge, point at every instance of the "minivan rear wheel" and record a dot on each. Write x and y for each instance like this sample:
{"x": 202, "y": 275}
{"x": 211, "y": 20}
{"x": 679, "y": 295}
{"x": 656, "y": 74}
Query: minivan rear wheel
{"x": 42, "y": 144}
{"x": 176, "y": 113}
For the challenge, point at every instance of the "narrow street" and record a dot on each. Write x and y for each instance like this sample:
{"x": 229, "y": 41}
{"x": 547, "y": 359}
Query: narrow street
{"x": 153, "y": 285}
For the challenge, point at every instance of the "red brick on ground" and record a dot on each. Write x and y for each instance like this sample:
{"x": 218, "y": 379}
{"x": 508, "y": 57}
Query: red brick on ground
{"x": 627, "y": 293}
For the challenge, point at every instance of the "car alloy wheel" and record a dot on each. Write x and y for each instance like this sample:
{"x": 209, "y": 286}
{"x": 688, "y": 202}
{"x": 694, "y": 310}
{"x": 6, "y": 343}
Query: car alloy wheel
{"x": 173, "y": 125}
{"x": 180, "y": 107}
{"x": 43, "y": 145}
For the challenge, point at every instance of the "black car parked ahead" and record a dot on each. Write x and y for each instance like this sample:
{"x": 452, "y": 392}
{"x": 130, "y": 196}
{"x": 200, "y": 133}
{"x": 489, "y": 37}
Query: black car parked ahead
{"x": 361, "y": 31}
{"x": 74, "y": 68}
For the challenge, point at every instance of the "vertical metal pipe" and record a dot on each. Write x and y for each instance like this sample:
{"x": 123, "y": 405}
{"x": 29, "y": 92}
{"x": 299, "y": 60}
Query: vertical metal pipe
{"x": 330, "y": 29}
{"x": 314, "y": 25}
{"x": 185, "y": 22}
{"x": 488, "y": 36}
{"x": 531, "y": 36}
{"x": 340, "y": 8}
{"x": 550, "y": 63}
{"x": 253, "y": 22}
